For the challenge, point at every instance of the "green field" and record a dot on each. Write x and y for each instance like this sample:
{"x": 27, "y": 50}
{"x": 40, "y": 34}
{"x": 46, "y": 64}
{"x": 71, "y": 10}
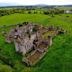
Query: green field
{"x": 59, "y": 56}
{"x": 64, "y": 8}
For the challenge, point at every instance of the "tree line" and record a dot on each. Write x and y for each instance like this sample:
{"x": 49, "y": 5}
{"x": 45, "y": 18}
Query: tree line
{"x": 28, "y": 11}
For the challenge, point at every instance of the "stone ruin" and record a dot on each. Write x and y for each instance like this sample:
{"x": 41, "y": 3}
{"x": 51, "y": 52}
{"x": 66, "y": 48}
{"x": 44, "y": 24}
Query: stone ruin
{"x": 32, "y": 40}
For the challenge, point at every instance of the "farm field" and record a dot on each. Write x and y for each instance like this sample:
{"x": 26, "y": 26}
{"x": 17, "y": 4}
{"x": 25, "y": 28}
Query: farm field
{"x": 65, "y": 8}
{"x": 59, "y": 56}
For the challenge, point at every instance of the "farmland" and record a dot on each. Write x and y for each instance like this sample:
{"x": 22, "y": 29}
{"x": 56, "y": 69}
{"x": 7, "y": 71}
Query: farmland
{"x": 59, "y": 56}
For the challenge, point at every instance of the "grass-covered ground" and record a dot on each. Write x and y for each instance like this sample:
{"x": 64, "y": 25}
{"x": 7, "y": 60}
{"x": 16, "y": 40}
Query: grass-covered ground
{"x": 59, "y": 56}
{"x": 64, "y": 8}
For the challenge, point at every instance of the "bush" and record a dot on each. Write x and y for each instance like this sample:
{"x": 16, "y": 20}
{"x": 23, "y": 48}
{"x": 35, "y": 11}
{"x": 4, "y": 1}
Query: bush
{"x": 5, "y": 68}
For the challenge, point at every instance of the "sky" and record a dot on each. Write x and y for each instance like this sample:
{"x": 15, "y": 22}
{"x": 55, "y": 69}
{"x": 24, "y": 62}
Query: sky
{"x": 34, "y": 2}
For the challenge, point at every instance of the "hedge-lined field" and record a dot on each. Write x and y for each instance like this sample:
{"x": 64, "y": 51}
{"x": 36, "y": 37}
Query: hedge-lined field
{"x": 59, "y": 56}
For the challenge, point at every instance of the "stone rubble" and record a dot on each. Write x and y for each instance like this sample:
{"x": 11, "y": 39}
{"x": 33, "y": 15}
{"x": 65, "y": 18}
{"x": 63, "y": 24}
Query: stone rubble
{"x": 28, "y": 37}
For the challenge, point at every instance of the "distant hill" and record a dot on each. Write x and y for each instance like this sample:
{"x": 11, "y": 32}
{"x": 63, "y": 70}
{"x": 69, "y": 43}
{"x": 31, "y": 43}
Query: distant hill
{"x": 13, "y": 5}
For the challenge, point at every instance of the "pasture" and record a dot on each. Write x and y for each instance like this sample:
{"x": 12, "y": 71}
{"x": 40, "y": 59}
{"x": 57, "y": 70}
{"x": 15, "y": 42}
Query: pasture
{"x": 59, "y": 56}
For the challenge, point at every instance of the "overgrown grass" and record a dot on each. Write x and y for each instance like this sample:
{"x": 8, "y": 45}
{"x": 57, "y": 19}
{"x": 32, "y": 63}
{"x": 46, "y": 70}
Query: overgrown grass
{"x": 59, "y": 56}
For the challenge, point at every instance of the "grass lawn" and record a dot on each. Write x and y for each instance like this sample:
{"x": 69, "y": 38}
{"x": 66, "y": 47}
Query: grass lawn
{"x": 59, "y": 56}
